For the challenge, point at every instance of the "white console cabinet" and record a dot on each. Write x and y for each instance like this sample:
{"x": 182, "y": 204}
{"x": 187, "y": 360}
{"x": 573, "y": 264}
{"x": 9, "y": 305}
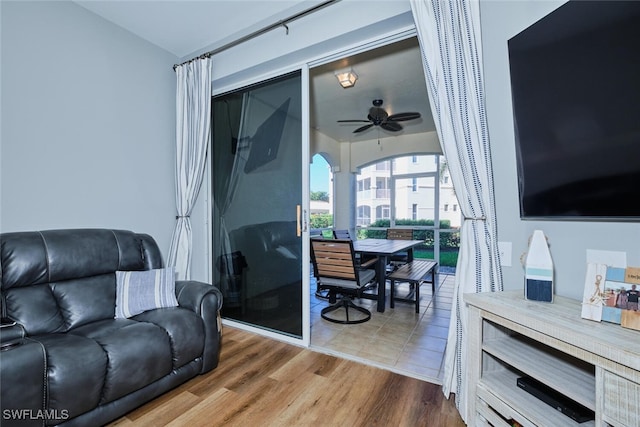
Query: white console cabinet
{"x": 595, "y": 364}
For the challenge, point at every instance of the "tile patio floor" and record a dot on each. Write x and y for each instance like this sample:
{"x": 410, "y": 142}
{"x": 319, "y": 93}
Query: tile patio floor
{"x": 399, "y": 340}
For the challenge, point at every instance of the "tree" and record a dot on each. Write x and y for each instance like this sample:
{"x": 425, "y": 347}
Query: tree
{"x": 319, "y": 195}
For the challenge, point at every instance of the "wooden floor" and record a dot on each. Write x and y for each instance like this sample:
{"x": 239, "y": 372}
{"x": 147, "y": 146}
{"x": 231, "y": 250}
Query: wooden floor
{"x": 265, "y": 382}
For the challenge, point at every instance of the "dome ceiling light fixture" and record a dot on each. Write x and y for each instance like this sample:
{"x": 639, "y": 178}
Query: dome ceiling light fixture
{"x": 346, "y": 78}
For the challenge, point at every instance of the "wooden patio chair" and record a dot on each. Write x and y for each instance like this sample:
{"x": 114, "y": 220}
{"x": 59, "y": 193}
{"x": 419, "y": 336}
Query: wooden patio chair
{"x": 335, "y": 267}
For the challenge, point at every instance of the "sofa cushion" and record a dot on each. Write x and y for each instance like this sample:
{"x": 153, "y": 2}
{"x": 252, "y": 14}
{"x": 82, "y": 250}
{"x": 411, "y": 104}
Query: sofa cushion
{"x": 21, "y": 257}
{"x": 139, "y": 353}
{"x": 85, "y": 300}
{"x": 184, "y": 328}
{"x": 138, "y": 291}
{"x": 35, "y": 308}
{"x": 75, "y": 253}
{"x": 76, "y": 368}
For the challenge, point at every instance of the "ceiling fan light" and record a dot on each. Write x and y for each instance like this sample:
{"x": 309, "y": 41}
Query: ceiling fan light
{"x": 346, "y": 78}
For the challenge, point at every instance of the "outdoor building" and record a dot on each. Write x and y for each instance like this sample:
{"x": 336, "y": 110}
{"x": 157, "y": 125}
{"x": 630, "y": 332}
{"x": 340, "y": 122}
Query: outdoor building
{"x": 320, "y": 207}
{"x": 417, "y": 185}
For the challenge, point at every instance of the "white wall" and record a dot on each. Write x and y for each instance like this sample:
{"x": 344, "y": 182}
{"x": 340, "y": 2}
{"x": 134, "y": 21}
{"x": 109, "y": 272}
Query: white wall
{"x": 88, "y": 124}
{"x": 569, "y": 241}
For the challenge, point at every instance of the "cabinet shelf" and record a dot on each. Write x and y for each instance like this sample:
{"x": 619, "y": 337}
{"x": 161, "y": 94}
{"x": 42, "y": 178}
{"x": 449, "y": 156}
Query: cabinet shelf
{"x": 568, "y": 375}
{"x": 502, "y": 385}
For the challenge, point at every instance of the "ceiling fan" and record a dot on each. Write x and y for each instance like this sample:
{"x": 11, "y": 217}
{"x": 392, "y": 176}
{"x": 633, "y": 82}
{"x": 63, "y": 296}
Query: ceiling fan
{"x": 379, "y": 117}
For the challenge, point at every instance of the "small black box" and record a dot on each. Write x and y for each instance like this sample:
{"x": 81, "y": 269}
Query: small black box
{"x": 560, "y": 402}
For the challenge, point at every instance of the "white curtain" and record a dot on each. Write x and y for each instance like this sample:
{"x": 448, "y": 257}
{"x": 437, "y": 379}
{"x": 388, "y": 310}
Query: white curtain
{"x": 193, "y": 132}
{"x": 449, "y": 36}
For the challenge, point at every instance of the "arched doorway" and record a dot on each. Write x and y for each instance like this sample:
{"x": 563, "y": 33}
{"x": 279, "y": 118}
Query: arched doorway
{"x": 320, "y": 195}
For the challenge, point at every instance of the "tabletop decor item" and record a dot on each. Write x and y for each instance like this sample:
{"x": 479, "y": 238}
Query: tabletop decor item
{"x": 625, "y": 294}
{"x": 538, "y": 267}
{"x": 611, "y": 295}
{"x": 593, "y": 299}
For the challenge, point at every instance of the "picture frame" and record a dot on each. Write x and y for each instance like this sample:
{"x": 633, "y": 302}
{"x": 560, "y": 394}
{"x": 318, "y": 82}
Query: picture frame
{"x": 593, "y": 299}
{"x": 620, "y": 297}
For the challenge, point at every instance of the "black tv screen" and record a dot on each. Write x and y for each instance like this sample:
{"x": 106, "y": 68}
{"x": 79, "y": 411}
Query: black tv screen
{"x": 575, "y": 82}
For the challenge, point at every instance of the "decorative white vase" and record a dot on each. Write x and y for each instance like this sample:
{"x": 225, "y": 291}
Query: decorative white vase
{"x": 538, "y": 267}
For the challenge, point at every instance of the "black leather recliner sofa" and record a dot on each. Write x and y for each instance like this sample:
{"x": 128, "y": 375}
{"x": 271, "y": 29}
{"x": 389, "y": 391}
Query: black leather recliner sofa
{"x": 67, "y": 360}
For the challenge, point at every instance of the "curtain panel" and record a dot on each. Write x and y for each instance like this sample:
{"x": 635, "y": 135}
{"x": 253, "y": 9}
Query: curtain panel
{"x": 450, "y": 42}
{"x": 193, "y": 133}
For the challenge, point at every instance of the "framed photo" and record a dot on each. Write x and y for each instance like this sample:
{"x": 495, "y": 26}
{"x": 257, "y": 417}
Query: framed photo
{"x": 621, "y": 292}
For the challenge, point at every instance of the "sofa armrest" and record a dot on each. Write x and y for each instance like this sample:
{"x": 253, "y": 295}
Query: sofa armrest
{"x": 23, "y": 370}
{"x": 206, "y": 301}
{"x": 11, "y": 333}
{"x": 191, "y": 294}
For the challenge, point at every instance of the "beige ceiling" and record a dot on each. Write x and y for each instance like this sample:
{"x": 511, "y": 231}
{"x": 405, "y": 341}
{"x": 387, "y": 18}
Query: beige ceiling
{"x": 392, "y": 73}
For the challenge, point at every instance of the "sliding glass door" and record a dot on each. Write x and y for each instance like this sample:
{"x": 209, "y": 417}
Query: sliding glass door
{"x": 257, "y": 196}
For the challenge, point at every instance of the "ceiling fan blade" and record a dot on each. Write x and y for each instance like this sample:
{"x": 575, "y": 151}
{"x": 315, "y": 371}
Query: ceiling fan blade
{"x": 400, "y": 117}
{"x": 353, "y": 121}
{"x": 391, "y": 126}
{"x": 363, "y": 128}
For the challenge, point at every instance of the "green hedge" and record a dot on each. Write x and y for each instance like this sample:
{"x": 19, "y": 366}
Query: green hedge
{"x": 447, "y": 239}
{"x": 321, "y": 220}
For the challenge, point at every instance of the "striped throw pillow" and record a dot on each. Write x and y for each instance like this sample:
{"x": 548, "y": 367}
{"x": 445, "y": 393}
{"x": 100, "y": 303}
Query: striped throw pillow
{"x": 138, "y": 291}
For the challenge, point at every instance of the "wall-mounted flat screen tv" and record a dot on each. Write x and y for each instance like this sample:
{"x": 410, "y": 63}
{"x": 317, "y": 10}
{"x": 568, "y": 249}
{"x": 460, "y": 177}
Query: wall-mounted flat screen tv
{"x": 575, "y": 82}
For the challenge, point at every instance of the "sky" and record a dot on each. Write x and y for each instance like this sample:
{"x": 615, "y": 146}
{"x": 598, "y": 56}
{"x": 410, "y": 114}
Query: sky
{"x": 319, "y": 174}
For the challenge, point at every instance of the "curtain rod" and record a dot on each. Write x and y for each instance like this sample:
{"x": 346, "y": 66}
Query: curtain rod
{"x": 281, "y": 23}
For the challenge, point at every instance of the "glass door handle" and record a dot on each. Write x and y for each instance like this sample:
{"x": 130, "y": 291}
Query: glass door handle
{"x": 305, "y": 221}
